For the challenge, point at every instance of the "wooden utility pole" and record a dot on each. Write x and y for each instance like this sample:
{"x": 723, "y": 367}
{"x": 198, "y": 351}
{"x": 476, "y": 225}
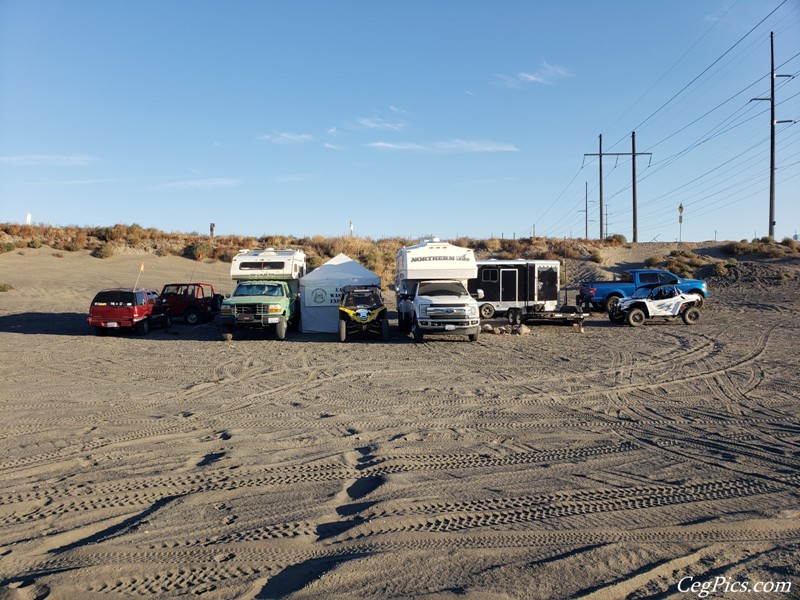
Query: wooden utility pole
{"x": 633, "y": 154}
{"x": 586, "y": 208}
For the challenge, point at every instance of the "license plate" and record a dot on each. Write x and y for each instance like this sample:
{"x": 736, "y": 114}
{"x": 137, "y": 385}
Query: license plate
{"x": 449, "y": 327}
{"x": 273, "y": 319}
{"x": 246, "y": 318}
{"x": 112, "y": 324}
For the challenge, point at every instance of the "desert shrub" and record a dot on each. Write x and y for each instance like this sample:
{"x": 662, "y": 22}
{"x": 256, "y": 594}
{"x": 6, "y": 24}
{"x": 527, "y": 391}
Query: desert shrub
{"x": 34, "y": 244}
{"x": 104, "y": 251}
{"x": 72, "y": 246}
{"x": 7, "y": 247}
{"x": 596, "y": 256}
{"x": 771, "y": 251}
{"x": 58, "y": 254}
{"x": 721, "y": 269}
{"x": 652, "y": 261}
{"x": 739, "y": 248}
{"x": 790, "y": 243}
{"x": 616, "y": 240}
{"x": 225, "y": 254}
{"x": 6, "y": 287}
{"x": 198, "y": 250}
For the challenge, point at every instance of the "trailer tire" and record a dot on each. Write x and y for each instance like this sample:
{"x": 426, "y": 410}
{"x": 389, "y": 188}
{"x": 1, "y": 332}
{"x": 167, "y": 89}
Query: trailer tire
{"x": 514, "y": 316}
{"x": 610, "y": 302}
{"x": 487, "y": 311}
{"x": 691, "y": 315}
{"x": 636, "y": 317}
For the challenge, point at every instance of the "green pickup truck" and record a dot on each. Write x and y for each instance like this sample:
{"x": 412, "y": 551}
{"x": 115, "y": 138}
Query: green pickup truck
{"x": 261, "y": 304}
{"x": 266, "y": 294}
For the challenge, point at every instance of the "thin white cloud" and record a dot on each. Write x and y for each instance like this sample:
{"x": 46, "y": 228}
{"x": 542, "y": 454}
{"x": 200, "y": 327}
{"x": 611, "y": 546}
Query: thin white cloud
{"x": 546, "y": 74}
{"x": 287, "y": 138}
{"x": 382, "y": 124}
{"x": 448, "y": 147}
{"x": 330, "y": 146}
{"x": 198, "y": 184}
{"x": 48, "y": 160}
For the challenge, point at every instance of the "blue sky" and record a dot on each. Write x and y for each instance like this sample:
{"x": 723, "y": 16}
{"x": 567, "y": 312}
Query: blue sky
{"x": 449, "y": 118}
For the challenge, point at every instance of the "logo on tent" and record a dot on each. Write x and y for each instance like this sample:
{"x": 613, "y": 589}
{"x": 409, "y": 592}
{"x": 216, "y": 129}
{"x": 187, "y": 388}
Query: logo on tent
{"x": 319, "y": 296}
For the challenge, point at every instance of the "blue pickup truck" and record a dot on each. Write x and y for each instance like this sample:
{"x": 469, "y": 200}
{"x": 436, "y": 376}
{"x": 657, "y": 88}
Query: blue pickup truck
{"x": 605, "y": 294}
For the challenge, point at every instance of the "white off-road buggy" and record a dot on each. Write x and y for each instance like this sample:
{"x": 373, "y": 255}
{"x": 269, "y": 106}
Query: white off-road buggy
{"x": 665, "y": 302}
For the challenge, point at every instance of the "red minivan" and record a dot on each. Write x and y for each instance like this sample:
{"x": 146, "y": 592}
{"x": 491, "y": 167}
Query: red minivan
{"x": 128, "y": 308}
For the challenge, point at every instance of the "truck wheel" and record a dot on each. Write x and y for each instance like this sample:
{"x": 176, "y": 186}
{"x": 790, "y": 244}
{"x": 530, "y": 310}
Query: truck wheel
{"x": 473, "y": 337}
{"x": 636, "y": 317}
{"x": 342, "y": 330}
{"x": 616, "y": 316}
{"x": 143, "y": 327}
{"x": 691, "y": 315}
{"x": 227, "y": 333}
{"x": 611, "y": 302}
{"x": 191, "y": 317}
{"x": 487, "y": 311}
{"x": 385, "y": 330}
{"x": 280, "y": 329}
{"x": 417, "y": 332}
{"x": 167, "y": 322}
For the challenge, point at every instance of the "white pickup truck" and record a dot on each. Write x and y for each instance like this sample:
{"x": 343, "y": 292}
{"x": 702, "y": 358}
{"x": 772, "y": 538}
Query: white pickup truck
{"x": 431, "y": 290}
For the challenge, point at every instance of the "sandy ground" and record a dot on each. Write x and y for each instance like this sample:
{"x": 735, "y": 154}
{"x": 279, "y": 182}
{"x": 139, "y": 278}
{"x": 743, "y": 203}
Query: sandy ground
{"x": 610, "y": 464}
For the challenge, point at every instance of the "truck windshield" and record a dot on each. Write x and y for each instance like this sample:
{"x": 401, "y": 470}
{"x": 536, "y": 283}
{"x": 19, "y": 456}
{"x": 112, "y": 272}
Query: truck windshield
{"x": 258, "y": 289}
{"x": 441, "y": 288}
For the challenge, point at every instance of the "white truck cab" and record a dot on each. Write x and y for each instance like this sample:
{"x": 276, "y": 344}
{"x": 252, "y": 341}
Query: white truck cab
{"x": 431, "y": 290}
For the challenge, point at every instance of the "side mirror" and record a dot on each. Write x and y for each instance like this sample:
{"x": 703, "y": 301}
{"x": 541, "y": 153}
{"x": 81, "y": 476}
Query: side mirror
{"x": 480, "y": 294}
{"x": 227, "y": 295}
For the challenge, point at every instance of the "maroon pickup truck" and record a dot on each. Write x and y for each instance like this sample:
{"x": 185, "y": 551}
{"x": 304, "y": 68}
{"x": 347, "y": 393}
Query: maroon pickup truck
{"x": 195, "y": 302}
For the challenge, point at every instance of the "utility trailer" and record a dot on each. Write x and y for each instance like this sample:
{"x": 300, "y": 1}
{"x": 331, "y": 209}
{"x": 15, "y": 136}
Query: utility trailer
{"x": 525, "y": 291}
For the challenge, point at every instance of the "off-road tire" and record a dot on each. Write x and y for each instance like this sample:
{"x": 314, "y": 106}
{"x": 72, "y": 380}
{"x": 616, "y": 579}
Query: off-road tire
{"x": 280, "y": 329}
{"x": 487, "y": 311}
{"x": 342, "y": 328}
{"x": 142, "y": 327}
{"x": 192, "y": 317}
{"x": 636, "y": 317}
{"x": 385, "y": 332}
{"x": 419, "y": 337}
{"x": 691, "y": 315}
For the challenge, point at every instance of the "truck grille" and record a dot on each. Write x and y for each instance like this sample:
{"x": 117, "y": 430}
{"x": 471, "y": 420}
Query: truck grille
{"x": 447, "y": 312}
{"x": 249, "y": 309}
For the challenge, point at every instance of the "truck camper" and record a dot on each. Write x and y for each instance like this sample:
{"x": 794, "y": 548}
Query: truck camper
{"x": 431, "y": 289}
{"x": 266, "y": 295}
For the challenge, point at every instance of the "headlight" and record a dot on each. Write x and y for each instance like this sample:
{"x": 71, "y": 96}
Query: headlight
{"x": 473, "y": 311}
{"x": 423, "y": 310}
{"x": 274, "y": 308}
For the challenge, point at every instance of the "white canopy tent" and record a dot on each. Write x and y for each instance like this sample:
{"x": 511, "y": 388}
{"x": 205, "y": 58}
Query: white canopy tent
{"x": 321, "y": 290}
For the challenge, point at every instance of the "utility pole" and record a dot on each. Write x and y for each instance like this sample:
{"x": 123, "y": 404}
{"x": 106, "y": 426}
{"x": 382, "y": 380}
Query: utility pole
{"x": 773, "y": 122}
{"x": 586, "y": 209}
{"x": 633, "y": 154}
